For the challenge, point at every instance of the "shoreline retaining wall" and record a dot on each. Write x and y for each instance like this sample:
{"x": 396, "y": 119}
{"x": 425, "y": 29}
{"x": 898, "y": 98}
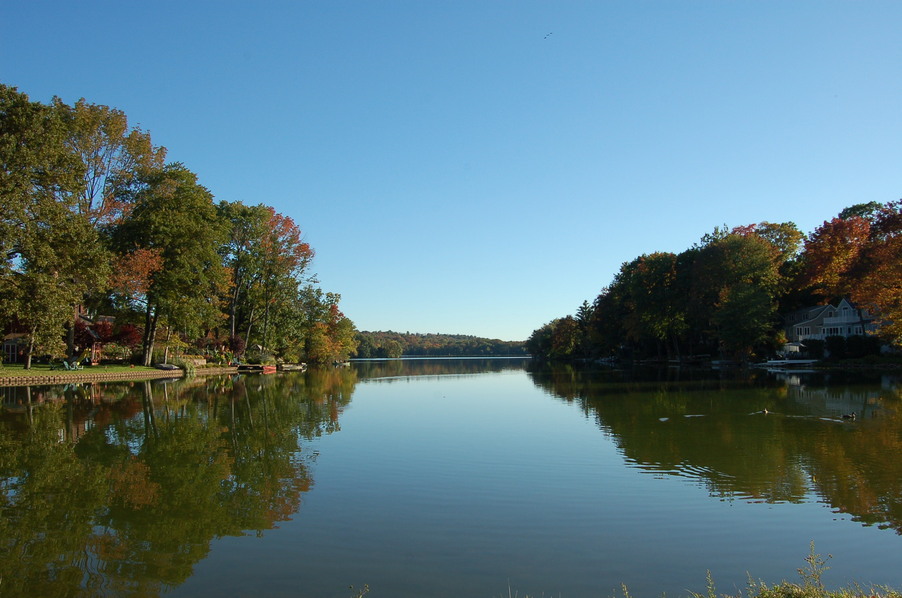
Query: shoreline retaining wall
{"x": 45, "y": 378}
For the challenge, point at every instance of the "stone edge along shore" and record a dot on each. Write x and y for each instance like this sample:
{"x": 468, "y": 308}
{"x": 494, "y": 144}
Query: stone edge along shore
{"x": 86, "y": 376}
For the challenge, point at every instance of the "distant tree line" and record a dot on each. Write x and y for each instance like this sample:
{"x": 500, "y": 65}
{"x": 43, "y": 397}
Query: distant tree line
{"x": 396, "y": 344}
{"x": 94, "y": 222}
{"x": 725, "y": 295}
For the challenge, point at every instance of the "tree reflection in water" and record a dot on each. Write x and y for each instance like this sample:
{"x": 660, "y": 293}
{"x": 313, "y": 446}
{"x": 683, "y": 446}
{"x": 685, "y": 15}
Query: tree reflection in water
{"x": 712, "y": 428}
{"x": 114, "y": 489}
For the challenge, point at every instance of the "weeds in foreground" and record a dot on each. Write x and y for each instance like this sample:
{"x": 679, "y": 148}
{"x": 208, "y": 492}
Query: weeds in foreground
{"x": 361, "y": 592}
{"x": 811, "y": 586}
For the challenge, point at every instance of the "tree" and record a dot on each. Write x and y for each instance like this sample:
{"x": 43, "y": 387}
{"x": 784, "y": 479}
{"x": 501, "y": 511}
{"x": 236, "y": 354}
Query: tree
{"x": 329, "y": 335}
{"x": 114, "y": 156}
{"x": 862, "y": 210}
{"x": 50, "y": 258}
{"x": 879, "y": 282}
{"x": 284, "y": 261}
{"x": 658, "y": 312}
{"x": 267, "y": 261}
{"x": 174, "y": 216}
{"x": 737, "y": 280}
{"x": 831, "y": 255}
{"x": 245, "y": 228}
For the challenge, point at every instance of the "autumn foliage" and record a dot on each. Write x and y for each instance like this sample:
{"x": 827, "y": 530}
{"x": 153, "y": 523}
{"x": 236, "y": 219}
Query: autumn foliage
{"x": 725, "y": 295}
{"x": 94, "y": 222}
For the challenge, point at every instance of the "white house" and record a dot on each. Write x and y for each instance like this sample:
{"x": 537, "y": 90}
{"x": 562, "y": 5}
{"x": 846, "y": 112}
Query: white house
{"x": 822, "y": 321}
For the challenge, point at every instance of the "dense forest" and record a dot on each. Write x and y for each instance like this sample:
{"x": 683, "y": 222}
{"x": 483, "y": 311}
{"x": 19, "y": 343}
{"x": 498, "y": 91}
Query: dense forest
{"x": 396, "y": 344}
{"x": 725, "y": 296}
{"x": 103, "y": 240}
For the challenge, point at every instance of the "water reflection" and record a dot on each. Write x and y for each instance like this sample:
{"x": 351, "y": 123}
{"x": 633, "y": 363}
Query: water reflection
{"x": 755, "y": 436}
{"x": 115, "y": 489}
{"x": 402, "y": 369}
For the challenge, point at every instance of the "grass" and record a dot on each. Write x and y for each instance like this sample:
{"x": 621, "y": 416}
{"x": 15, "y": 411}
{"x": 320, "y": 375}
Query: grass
{"x": 13, "y": 370}
{"x": 811, "y": 586}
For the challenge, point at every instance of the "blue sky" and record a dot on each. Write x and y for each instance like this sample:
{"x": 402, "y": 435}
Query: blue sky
{"x": 484, "y": 167}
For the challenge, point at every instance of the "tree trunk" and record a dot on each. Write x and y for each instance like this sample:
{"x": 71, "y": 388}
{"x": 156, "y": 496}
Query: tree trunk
{"x": 233, "y": 308}
{"x": 266, "y": 326}
{"x": 247, "y": 337}
{"x": 70, "y": 337}
{"x": 150, "y": 334}
{"x": 166, "y": 350}
{"x": 27, "y": 365}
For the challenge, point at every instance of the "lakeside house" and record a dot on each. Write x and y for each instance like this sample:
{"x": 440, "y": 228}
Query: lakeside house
{"x": 14, "y": 346}
{"x": 821, "y": 321}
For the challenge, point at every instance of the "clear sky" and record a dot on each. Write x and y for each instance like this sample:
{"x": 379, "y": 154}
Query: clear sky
{"x": 482, "y": 167}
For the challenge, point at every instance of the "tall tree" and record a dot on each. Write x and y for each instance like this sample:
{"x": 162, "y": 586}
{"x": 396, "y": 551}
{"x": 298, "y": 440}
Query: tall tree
{"x": 285, "y": 257}
{"x": 50, "y": 258}
{"x": 879, "y": 283}
{"x": 268, "y": 261}
{"x": 738, "y": 280}
{"x": 114, "y": 156}
{"x": 832, "y": 252}
{"x": 174, "y": 217}
{"x": 246, "y": 226}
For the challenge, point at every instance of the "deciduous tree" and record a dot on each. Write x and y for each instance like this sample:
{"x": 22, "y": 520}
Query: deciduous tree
{"x": 50, "y": 258}
{"x": 174, "y": 217}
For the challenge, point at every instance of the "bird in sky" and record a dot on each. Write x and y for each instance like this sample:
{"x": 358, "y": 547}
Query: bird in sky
{"x": 549, "y": 33}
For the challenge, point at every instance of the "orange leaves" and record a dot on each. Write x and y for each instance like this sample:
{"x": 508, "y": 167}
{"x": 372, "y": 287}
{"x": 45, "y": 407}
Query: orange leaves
{"x": 134, "y": 271}
{"x": 282, "y": 243}
{"x": 831, "y": 253}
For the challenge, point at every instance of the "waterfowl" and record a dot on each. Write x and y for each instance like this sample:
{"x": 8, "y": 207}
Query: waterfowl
{"x": 848, "y": 416}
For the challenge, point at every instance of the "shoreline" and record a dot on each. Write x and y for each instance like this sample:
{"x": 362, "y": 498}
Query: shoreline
{"x": 82, "y": 376}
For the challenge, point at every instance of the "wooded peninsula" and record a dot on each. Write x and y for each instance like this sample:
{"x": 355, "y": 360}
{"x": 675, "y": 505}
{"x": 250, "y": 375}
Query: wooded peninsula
{"x": 107, "y": 245}
{"x": 750, "y": 293}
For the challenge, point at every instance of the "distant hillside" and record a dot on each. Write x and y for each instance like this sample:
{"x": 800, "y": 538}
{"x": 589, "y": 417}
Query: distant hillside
{"x": 396, "y": 344}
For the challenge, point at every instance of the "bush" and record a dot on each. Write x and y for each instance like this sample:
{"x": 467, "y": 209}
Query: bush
{"x": 185, "y": 365}
{"x": 814, "y": 348}
{"x": 835, "y": 347}
{"x": 257, "y": 356}
{"x": 115, "y": 351}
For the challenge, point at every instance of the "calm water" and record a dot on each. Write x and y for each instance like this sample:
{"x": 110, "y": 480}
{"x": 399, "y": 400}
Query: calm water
{"x": 449, "y": 478}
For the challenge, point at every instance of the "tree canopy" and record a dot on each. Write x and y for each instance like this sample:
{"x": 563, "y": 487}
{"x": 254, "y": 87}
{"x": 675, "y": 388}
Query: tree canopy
{"x": 94, "y": 222}
{"x": 725, "y": 295}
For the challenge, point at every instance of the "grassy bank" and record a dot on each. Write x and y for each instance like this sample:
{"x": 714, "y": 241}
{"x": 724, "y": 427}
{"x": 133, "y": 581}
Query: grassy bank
{"x": 810, "y": 586}
{"x": 43, "y": 369}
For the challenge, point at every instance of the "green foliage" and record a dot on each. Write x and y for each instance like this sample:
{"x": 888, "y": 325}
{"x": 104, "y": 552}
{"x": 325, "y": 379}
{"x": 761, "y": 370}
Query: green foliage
{"x": 51, "y": 257}
{"x": 81, "y": 189}
{"x": 812, "y": 585}
{"x": 383, "y": 344}
{"x": 723, "y": 295}
{"x": 186, "y": 365}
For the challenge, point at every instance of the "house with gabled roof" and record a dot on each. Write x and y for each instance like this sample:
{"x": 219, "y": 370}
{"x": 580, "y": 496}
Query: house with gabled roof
{"x": 821, "y": 321}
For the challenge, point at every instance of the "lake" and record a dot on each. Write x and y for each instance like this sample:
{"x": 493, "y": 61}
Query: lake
{"x": 450, "y": 478}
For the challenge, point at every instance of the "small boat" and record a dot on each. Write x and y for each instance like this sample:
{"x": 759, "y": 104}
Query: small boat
{"x": 249, "y": 368}
{"x": 293, "y": 367}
